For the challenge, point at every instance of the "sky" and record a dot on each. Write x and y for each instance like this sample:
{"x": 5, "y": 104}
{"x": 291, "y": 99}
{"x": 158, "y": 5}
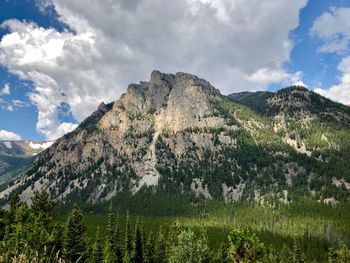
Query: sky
{"x": 59, "y": 59}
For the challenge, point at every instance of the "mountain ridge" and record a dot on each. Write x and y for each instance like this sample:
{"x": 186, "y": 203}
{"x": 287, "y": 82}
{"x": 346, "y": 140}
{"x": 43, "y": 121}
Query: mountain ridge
{"x": 16, "y": 156}
{"x": 178, "y": 134}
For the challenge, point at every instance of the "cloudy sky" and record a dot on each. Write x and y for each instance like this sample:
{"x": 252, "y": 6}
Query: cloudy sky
{"x": 60, "y": 58}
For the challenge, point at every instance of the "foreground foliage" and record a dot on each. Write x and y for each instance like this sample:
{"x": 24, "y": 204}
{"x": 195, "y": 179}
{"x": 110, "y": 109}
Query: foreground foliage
{"x": 34, "y": 234}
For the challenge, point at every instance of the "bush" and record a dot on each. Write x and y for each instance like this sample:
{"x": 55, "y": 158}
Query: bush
{"x": 245, "y": 247}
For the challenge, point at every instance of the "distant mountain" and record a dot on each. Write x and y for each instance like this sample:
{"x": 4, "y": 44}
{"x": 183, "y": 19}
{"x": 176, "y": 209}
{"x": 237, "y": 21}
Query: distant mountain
{"x": 255, "y": 100}
{"x": 16, "y": 157}
{"x": 177, "y": 134}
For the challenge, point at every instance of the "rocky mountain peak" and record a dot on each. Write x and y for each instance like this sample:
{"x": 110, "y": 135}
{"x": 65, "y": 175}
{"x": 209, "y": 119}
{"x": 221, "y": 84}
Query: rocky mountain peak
{"x": 176, "y": 133}
{"x": 155, "y": 93}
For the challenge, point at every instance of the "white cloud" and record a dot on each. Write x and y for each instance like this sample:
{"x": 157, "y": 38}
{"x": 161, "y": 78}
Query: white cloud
{"x": 265, "y": 76}
{"x": 37, "y": 146}
{"x": 334, "y": 29}
{"x": 236, "y": 45}
{"x": 9, "y": 136}
{"x": 340, "y": 92}
{"x": 6, "y": 90}
{"x": 61, "y": 130}
{"x": 300, "y": 83}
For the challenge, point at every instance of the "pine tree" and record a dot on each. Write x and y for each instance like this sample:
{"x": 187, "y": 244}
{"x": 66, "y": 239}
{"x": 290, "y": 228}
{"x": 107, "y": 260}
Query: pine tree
{"x": 160, "y": 247}
{"x": 128, "y": 242}
{"x": 149, "y": 250}
{"x": 108, "y": 253}
{"x": 75, "y": 244}
{"x": 110, "y": 227}
{"x": 56, "y": 238}
{"x": 138, "y": 252}
{"x": 298, "y": 256}
{"x": 41, "y": 203}
{"x": 113, "y": 234}
{"x": 126, "y": 257}
{"x": 14, "y": 204}
{"x": 174, "y": 232}
{"x": 42, "y": 206}
{"x": 118, "y": 244}
{"x": 97, "y": 254}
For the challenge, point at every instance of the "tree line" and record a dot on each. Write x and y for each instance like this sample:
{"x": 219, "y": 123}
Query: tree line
{"x": 34, "y": 234}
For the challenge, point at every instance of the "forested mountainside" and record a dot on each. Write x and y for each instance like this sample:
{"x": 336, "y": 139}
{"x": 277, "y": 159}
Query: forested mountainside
{"x": 176, "y": 134}
{"x": 15, "y": 158}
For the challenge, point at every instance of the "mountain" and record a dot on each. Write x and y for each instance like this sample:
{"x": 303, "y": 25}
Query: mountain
{"x": 16, "y": 156}
{"x": 254, "y": 100}
{"x": 176, "y": 134}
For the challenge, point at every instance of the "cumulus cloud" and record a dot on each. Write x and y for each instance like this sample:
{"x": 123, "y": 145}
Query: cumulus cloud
{"x": 9, "y": 136}
{"x": 59, "y": 131}
{"x": 300, "y": 83}
{"x": 266, "y": 76}
{"x": 340, "y": 92}
{"x": 236, "y": 45}
{"x": 5, "y": 90}
{"x": 333, "y": 28}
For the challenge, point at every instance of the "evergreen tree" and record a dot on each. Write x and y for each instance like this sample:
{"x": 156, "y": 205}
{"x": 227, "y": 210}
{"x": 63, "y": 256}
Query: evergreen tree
{"x": 127, "y": 257}
{"x": 108, "y": 253}
{"x": 110, "y": 227}
{"x": 97, "y": 254}
{"x": 57, "y": 238}
{"x": 113, "y": 232}
{"x": 118, "y": 243}
{"x": 160, "y": 247}
{"x": 14, "y": 204}
{"x": 174, "y": 232}
{"x": 41, "y": 203}
{"x": 42, "y": 206}
{"x": 138, "y": 245}
{"x": 128, "y": 249}
{"x": 298, "y": 256}
{"x": 75, "y": 244}
{"x": 149, "y": 250}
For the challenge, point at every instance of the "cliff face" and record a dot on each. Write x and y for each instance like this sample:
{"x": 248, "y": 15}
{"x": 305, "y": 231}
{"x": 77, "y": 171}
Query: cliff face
{"x": 178, "y": 134}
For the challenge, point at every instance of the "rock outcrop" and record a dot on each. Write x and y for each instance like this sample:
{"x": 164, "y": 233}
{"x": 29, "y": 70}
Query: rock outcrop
{"x": 178, "y": 134}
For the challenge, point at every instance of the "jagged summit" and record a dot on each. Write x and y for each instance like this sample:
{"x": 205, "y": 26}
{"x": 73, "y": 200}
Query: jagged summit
{"x": 177, "y": 134}
{"x": 162, "y": 88}
{"x": 294, "y": 101}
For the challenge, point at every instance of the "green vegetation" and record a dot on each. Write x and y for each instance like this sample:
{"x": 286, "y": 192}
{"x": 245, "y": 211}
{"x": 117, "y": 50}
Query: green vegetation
{"x": 303, "y": 232}
{"x": 283, "y": 217}
{"x": 15, "y": 166}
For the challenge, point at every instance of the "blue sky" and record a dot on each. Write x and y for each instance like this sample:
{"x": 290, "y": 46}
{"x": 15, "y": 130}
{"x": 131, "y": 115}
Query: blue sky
{"x": 59, "y": 59}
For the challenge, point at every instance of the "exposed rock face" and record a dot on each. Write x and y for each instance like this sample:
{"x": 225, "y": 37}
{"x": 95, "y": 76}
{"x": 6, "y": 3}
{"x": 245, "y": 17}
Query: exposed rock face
{"x": 178, "y": 134}
{"x": 122, "y": 137}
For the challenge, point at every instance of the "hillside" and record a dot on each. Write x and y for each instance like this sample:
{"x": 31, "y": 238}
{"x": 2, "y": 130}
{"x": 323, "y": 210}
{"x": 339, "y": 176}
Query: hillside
{"x": 16, "y": 157}
{"x": 176, "y": 134}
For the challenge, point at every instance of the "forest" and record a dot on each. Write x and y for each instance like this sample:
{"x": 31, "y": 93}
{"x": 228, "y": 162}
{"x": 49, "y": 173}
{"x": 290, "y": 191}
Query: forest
{"x": 211, "y": 233}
